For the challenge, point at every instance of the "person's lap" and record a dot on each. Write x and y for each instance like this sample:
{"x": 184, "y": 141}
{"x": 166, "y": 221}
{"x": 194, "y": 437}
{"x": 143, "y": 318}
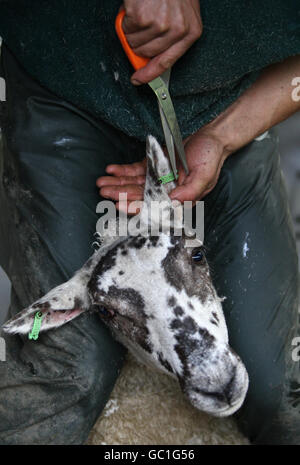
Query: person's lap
{"x": 52, "y": 391}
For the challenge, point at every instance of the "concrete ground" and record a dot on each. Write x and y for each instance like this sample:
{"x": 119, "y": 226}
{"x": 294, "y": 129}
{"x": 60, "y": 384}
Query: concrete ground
{"x": 289, "y": 133}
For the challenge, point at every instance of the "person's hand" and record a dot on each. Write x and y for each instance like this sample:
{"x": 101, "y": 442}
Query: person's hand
{"x": 129, "y": 179}
{"x": 162, "y": 30}
{"x": 205, "y": 157}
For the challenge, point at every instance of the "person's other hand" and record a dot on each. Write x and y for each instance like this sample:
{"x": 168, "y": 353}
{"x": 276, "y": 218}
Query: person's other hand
{"x": 162, "y": 30}
{"x": 129, "y": 179}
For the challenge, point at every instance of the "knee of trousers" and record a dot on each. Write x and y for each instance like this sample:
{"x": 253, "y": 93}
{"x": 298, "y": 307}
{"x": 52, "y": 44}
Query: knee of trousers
{"x": 81, "y": 356}
{"x": 98, "y": 361}
{"x": 273, "y": 419}
{"x": 251, "y": 246}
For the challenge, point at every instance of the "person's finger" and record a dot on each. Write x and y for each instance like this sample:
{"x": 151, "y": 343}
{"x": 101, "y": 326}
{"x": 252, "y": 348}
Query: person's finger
{"x": 182, "y": 176}
{"x": 158, "y": 45}
{"x": 134, "y": 192}
{"x": 185, "y": 192}
{"x": 133, "y": 22}
{"x": 145, "y": 16}
{"x": 158, "y": 38}
{"x": 120, "y": 180}
{"x": 192, "y": 189}
{"x": 160, "y": 63}
{"x": 133, "y": 169}
{"x": 131, "y": 208}
{"x": 140, "y": 38}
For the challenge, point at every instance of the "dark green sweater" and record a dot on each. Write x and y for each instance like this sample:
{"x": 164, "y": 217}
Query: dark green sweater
{"x": 70, "y": 47}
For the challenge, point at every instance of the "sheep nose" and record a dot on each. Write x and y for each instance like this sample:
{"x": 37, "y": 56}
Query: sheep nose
{"x": 228, "y": 393}
{"x": 224, "y": 396}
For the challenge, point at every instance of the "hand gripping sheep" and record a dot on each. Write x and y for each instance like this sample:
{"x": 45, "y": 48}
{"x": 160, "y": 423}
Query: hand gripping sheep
{"x": 157, "y": 297}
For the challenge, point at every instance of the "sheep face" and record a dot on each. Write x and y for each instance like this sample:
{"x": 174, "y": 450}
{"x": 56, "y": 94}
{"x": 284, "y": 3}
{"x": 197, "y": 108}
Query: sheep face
{"x": 157, "y": 297}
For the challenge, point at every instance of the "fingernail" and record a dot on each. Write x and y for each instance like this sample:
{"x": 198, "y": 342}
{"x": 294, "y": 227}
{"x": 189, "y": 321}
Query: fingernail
{"x": 135, "y": 82}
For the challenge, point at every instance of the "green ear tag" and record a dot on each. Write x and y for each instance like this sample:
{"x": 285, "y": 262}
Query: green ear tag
{"x": 168, "y": 178}
{"x": 34, "y": 333}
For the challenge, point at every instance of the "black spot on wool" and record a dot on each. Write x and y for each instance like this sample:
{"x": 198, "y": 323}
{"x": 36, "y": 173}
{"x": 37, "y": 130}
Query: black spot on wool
{"x": 172, "y": 301}
{"x": 164, "y": 362}
{"x": 178, "y": 311}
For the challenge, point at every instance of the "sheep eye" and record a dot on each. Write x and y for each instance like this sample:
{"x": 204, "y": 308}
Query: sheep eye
{"x": 104, "y": 312}
{"x": 198, "y": 256}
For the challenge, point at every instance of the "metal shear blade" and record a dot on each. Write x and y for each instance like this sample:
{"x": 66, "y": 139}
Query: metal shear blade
{"x": 171, "y": 130}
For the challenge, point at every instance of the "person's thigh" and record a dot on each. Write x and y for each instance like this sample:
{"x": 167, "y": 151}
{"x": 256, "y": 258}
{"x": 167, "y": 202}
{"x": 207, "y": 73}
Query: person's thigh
{"x": 251, "y": 248}
{"x": 52, "y": 390}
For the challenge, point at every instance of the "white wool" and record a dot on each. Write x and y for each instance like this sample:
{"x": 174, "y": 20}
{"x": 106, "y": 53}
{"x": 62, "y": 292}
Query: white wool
{"x": 148, "y": 407}
{"x": 111, "y": 407}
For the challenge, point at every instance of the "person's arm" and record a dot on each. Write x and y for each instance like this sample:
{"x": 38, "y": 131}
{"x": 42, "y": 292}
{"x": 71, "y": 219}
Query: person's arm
{"x": 266, "y": 103}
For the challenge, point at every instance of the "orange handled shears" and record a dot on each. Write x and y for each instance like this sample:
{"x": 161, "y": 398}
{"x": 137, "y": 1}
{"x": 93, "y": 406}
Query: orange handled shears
{"x": 160, "y": 86}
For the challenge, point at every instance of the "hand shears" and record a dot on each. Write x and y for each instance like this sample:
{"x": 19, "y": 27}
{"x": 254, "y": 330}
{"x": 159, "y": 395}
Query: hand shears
{"x": 160, "y": 87}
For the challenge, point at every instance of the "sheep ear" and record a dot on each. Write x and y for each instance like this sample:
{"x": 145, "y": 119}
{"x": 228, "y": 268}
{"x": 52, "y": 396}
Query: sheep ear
{"x": 157, "y": 165}
{"x": 159, "y": 210}
{"x": 59, "y": 306}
